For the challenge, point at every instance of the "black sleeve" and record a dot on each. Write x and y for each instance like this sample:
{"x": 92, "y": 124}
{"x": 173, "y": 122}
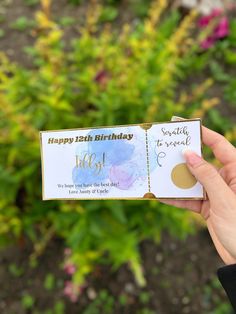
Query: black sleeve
{"x": 227, "y": 277}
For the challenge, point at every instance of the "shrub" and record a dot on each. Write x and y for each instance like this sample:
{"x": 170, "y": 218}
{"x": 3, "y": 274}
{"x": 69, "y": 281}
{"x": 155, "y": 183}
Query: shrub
{"x": 107, "y": 77}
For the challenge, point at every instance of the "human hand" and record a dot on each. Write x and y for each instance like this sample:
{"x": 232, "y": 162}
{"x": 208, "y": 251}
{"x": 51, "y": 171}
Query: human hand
{"x": 219, "y": 210}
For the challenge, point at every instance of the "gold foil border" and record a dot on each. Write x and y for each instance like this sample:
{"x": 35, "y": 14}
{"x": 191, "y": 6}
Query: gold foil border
{"x": 119, "y": 125}
{"x": 145, "y": 126}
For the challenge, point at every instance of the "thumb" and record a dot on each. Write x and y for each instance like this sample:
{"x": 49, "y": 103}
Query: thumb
{"x": 206, "y": 174}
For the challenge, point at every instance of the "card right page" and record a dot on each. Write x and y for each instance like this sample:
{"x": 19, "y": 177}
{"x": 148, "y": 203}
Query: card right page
{"x": 168, "y": 173}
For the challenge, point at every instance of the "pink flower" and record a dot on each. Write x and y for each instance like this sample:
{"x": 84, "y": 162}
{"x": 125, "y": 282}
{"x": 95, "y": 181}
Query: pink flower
{"x": 220, "y": 31}
{"x": 69, "y": 268}
{"x": 72, "y": 291}
{"x": 207, "y": 43}
{"x": 102, "y": 78}
{"x": 216, "y": 12}
{"x": 67, "y": 251}
{"x": 204, "y": 21}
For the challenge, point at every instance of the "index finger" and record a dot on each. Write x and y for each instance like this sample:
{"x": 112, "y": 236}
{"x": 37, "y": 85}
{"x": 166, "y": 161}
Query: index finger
{"x": 223, "y": 150}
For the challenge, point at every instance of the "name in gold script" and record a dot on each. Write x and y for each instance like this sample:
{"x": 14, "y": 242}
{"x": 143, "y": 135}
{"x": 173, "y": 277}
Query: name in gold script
{"x": 90, "y": 161}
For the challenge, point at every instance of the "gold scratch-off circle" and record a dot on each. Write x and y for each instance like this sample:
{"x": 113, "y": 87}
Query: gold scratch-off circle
{"x": 182, "y": 177}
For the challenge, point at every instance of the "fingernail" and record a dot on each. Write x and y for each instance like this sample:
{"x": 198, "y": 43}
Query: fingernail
{"x": 191, "y": 157}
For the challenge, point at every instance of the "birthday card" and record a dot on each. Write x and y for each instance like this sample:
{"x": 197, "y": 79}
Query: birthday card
{"x": 121, "y": 162}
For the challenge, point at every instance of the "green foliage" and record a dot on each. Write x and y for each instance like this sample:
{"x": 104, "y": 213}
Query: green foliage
{"x": 23, "y": 23}
{"x": 145, "y": 311}
{"x": 27, "y": 301}
{"x": 218, "y": 63}
{"x": 144, "y": 297}
{"x": 66, "y": 21}
{"x": 15, "y": 270}
{"x": 107, "y": 78}
{"x": 59, "y": 307}
{"x": 49, "y": 282}
{"x": 2, "y": 33}
{"x": 140, "y": 7}
{"x": 123, "y": 299}
{"x": 75, "y": 2}
{"x": 104, "y": 303}
{"x": 31, "y": 2}
{"x": 108, "y": 14}
{"x": 225, "y": 63}
{"x": 112, "y": 1}
{"x": 2, "y": 18}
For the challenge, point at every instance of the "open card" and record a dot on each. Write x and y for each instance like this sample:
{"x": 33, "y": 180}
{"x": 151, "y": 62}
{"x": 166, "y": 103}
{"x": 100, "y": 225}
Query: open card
{"x": 121, "y": 162}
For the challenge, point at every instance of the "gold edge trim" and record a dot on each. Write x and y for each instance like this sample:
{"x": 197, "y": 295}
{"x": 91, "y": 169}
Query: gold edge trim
{"x": 149, "y": 195}
{"x": 127, "y": 198}
{"x": 113, "y": 198}
{"x": 42, "y": 164}
{"x": 146, "y": 126}
{"x": 201, "y": 137}
{"x": 117, "y": 126}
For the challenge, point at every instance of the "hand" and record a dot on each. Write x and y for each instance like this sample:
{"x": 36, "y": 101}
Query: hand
{"x": 219, "y": 210}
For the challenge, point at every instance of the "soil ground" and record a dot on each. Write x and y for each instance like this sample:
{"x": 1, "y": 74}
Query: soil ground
{"x": 181, "y": 278}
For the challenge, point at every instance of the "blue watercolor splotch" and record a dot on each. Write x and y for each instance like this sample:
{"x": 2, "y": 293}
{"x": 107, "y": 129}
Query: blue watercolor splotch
{"x": 125, "y": 161}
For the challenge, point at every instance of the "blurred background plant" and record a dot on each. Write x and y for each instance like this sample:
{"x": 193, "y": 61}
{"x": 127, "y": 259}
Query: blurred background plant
{"x": 169, "y": 63}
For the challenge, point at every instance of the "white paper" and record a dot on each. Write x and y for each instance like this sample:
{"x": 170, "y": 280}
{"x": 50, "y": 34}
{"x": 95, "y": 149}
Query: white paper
{"x": 123, "y": 162}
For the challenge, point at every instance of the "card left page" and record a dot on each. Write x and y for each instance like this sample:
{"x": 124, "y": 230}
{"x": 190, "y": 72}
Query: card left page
{"x": 97, "y": 163}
